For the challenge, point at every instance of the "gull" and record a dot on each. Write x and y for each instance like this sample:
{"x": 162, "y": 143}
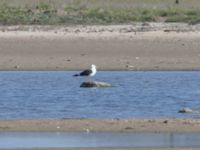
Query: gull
{"x": 88, "y": 72}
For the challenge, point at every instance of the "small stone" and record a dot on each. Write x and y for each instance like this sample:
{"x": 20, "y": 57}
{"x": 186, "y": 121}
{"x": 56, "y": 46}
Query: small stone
{"x": 151, "y": 121}
{"x": 83, "y": 54}
{"x": 101, "y": 30}
{"x": 145, "y": 24}
{"x": 126, "y": 30}
{"x": 77, "y": 31}
{"x": 16, "y": 67}
{"x": 188, "y": 110}
{"x": 128, "y": 128}
{"x": 167, "y": 30}
{"x": 110, "y": 30}
{"x": 137, "y": 58}
{"x": 129, "y": 66}
{"x": 87, "y": 130}
{"x": 166, "y": 121}
{"x": 156, "y": 67}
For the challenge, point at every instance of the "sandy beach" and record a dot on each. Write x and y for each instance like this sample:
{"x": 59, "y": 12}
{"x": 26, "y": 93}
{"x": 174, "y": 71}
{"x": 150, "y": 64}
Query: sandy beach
{"x": 102, "y": 125}
{"x": 147, "y": 46}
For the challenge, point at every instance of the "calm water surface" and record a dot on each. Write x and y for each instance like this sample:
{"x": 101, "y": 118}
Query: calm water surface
{"x": 91, "y": 140}
{"x": 56, "y": 94}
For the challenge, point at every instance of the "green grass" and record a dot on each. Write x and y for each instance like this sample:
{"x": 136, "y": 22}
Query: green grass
{"x": 44, "y": 14}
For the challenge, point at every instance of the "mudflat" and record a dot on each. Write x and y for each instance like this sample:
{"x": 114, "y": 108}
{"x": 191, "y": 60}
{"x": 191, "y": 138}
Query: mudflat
{"x": 115, "y": 47}
{"x": 102, "y": 125}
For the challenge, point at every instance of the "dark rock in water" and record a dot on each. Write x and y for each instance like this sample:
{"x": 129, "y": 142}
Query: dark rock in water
{"x": 188, "y": 110}
{"x": 91, "y": 84}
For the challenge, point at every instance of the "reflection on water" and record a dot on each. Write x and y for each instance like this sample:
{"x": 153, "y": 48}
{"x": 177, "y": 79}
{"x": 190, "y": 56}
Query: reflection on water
{"x": 56, "y": 94}
{"x": 80, "y": 139}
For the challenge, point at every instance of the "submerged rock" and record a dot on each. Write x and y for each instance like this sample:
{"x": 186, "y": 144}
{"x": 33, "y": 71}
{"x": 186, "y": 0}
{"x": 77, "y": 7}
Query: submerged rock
{"x": 91, "y": 84}
{"x": 188, "y": 110}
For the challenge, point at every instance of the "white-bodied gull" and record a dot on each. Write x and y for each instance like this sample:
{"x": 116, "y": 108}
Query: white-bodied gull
{"x": 89, "y": 72}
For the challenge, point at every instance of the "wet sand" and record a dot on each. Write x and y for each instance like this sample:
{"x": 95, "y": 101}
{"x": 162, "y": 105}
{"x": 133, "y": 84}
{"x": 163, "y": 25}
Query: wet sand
{"x": 123, "y": 47}
{"x": 98, "y": 125}
{"x": 111, "y": 125}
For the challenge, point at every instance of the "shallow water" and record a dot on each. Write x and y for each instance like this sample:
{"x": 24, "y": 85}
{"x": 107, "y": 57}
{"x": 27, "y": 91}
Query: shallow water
{"x": 56, "y": 94}
{"x": 80, "y": 139}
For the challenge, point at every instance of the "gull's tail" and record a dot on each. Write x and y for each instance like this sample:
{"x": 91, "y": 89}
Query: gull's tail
{"x": 76, "y": 75}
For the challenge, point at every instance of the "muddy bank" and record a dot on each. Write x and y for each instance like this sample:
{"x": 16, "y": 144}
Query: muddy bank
{"x": 125, "y": 47}
{"x": 111, "y": 125}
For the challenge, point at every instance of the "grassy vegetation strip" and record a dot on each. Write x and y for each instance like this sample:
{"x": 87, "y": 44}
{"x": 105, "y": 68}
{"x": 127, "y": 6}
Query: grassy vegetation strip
{"x": 76, "y": 14}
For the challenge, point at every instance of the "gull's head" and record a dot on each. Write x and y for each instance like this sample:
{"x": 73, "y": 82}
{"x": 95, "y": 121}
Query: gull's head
{"x": 93, "y": 66}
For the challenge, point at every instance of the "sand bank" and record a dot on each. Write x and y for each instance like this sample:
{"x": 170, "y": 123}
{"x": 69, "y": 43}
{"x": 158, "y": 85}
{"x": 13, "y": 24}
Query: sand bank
{"x": 117, "y": 47}
{"x": 111, "y": 125}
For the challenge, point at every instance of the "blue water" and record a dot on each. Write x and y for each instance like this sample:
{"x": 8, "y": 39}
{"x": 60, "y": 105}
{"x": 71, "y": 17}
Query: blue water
{"x": 56, "y": 94}
{"x": 97, "y": 140}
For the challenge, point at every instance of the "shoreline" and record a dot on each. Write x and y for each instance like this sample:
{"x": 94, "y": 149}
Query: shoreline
{"x": 102, "y": 125}
{"x": 108, "y": 125}
{"x": 139, "y": 47}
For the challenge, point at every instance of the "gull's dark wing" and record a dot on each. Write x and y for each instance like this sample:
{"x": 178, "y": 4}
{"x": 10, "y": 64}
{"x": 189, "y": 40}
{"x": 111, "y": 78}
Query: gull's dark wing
{"x": 86, "y": 72}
